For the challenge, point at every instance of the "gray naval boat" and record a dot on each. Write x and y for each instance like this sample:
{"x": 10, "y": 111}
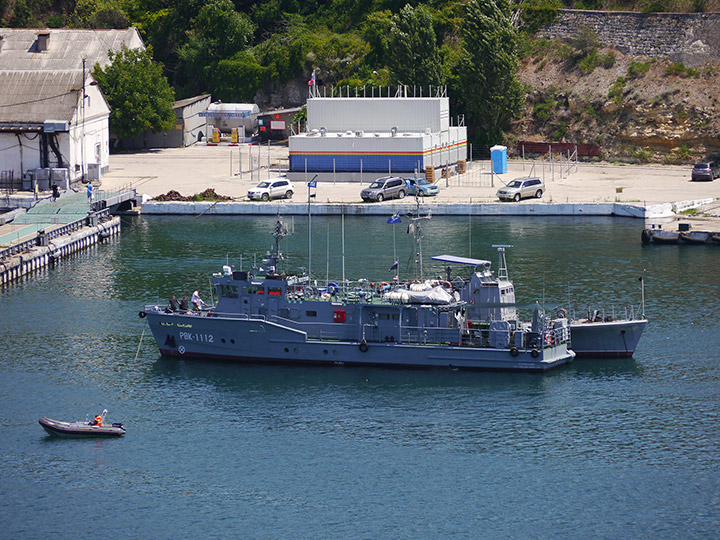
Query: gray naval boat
{"x": 263, "y": 316}
{"x": 605, "y": 336}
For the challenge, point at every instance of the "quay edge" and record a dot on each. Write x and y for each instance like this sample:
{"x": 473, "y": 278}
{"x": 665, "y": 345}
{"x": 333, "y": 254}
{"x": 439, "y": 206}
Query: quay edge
{"x": 384, "y": 209}
{"x": 38, "y": 257}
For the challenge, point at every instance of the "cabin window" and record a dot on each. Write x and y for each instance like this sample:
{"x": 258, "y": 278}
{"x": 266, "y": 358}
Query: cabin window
{"x": 396, "y": 316}
{"x": 311, "y": 313}
{"x": 228, "y": 291}
{"x": 384, "y": 316}
{"x": 251, "y": 289}
{"x": 274, "y": 291}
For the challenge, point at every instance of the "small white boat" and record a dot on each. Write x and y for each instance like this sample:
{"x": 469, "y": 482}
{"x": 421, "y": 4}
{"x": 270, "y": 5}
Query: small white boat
{"x": 81, "y": 429}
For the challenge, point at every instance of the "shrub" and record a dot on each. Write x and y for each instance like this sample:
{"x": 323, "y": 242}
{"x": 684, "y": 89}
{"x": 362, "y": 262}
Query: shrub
{"x": 559, "y": 129}
{"x": 680, "y": 70}
{"x": 608, "y": 60}
{"x": 543, "y": 109}
{"x": 641, "y": 154}
{"x": 617, "y": 89}
{"x": 635, "y": 69}
{"x": 588, "y": 63}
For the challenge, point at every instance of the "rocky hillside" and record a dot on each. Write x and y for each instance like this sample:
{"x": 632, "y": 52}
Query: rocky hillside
{"x": 637, "y": 108}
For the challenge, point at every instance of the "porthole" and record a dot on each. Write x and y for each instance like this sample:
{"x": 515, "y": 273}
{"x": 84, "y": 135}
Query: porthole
{"x": 287, "y": 350}
{"x": 325, "y": 351}
{"x": 232, "y": 341}
{"x": 223, "y": 340}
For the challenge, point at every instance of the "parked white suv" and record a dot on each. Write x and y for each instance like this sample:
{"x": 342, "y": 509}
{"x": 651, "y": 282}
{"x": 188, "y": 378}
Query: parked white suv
{"x": 521, "y": 188}
{"x": 272, "y": 189}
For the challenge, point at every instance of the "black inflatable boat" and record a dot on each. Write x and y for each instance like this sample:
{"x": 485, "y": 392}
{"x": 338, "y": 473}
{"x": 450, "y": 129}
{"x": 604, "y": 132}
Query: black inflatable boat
{"x": 80, "y": 429}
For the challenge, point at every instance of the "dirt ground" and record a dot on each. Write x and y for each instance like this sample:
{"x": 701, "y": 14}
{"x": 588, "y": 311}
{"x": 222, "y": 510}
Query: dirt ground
{"x": 638, "y": 109}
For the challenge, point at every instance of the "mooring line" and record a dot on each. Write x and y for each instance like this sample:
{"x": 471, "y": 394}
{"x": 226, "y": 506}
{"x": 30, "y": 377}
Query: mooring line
{"x": 139, "y": 344}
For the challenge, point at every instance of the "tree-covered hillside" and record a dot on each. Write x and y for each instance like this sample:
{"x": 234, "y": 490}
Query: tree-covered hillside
{"x": 245, "y": 50}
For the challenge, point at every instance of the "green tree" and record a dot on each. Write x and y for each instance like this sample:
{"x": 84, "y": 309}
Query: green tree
{"x": 375, "y": 32}
{"x": 218, "y": 33}
{"x": 100, "y": 14}
{"x": 139, "y": 96}
{"x": 414, "y": 57}
{"x": 491, "y": 90}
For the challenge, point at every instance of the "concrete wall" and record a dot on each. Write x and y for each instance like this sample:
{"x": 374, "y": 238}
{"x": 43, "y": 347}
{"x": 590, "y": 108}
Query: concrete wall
{"x": 378, "y": 114}
{"x": 385, "y": 209}
{"x": 377, "y": 152}
{"x": 690, "y": 38}
{"x": 188, "y": 127}
{"x": 88, "y": 140}
{"x": 194, "y": 125}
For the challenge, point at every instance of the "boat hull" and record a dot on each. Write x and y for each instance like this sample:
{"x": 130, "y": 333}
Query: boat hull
{"x": 694, "y": 237}
{"x": 79, "y": 429}
{"x": 613, "y": 339}
{"x": 263, "y": 341}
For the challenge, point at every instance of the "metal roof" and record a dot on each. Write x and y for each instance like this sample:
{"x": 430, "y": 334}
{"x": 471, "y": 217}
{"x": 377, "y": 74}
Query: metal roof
{"x": 461, "y": 260}
{"x": 179, "y": 104}
{"x": 66, "y": 48}
{"x": 36, "y": 96}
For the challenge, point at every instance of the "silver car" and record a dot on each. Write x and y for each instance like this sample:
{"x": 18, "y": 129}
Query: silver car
{"x": 272, "y": 189}
{"x": 386, "y": 187}
{"x": 520, "y": 188}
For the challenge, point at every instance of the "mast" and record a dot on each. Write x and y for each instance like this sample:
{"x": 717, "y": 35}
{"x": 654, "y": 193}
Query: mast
{"x": 417, "y": 231}
{"x": 502, "y": 272}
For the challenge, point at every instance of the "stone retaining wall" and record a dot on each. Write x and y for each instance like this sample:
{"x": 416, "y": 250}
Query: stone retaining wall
{"x": 690, "y": 38}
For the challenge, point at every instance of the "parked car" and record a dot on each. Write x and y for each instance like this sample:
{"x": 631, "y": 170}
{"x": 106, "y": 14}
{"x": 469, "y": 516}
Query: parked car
{"x": 386, "y": 187}
{"x": 422, "y": 187}
{"x": 706, "y": 170}
{"x": 521, "y": 188}
{"x": 272, "y": 189}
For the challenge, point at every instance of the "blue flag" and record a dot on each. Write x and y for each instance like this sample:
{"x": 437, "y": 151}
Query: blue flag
{"x": 312, "y": 183}
{"x": 395, "y": 218}
{"x": 393, "y": 267}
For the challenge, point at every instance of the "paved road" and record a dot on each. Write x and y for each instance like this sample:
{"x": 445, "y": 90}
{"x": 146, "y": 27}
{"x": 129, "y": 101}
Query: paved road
{"x": 194, "y": 169}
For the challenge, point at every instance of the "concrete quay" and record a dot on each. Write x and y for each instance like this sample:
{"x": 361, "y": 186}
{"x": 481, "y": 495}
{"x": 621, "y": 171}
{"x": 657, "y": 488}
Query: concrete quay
{"x": 647, "y": 192}
{"x": 56, "y": 248}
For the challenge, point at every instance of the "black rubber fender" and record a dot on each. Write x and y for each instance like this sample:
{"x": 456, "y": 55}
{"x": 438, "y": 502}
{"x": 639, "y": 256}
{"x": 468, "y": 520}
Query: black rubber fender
{"x": 514, "y": 351}
{"x": 363, "y": 346}
{"x": 534, "y": 353}
{"x": 142, "y": 314}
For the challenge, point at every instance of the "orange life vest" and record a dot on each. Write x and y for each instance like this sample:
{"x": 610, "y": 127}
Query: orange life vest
{"x": 98, "y": 421}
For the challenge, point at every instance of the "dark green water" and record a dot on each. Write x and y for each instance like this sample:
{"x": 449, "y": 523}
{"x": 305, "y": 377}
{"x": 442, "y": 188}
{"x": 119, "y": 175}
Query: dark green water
{"x": 600, "y": 449}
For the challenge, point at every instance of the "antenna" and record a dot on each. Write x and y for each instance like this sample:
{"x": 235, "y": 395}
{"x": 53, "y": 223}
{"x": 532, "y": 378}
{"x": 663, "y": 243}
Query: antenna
{"x": 642, "y": 293}
{"x": 502, "y": 263}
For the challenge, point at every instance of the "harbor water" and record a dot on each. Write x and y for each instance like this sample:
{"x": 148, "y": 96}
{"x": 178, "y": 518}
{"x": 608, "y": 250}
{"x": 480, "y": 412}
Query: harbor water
{"x": 598, "y": 449}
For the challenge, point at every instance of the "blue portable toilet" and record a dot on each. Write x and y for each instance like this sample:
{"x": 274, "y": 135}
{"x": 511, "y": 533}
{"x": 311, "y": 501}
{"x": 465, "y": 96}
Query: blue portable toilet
{"x": 498, "y": 156}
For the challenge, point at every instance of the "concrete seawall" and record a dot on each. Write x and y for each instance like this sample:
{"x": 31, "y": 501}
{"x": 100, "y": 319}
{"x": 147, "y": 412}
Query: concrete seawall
{"x": 439, "y": 209}
{"x": 40, "y": 256}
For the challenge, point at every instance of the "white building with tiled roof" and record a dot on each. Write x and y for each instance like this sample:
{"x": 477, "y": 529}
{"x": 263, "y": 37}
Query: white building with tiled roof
{"x": 52, "y": 113}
